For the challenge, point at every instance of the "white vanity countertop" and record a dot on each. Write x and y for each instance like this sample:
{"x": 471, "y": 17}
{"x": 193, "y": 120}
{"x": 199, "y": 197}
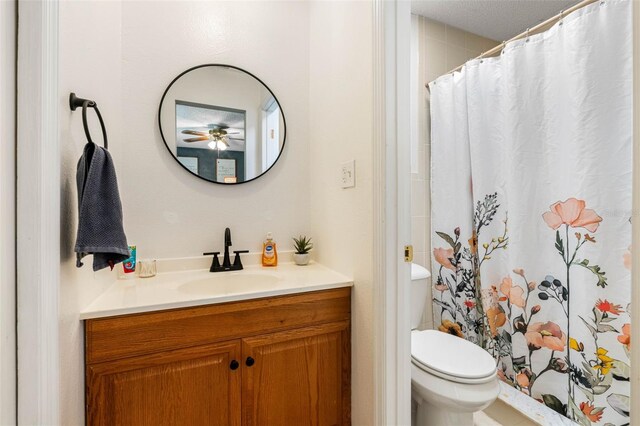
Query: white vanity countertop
{"x": 178, "y": 289}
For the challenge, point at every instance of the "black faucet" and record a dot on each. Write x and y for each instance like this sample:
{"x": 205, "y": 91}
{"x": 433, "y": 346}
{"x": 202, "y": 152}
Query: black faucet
{"x": 226, "y": 261}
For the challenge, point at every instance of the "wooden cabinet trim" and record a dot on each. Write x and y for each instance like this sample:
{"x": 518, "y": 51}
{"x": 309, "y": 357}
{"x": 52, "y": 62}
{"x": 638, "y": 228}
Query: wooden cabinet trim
{"x": 296, "y": 333}
{"x": 194, "y": 352}
{"x": 145, "y": 333}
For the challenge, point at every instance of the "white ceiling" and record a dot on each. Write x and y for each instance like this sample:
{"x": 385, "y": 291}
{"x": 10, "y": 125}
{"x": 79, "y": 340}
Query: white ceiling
{"x": 203, "y": 118}
{"x": 495, "y": 19}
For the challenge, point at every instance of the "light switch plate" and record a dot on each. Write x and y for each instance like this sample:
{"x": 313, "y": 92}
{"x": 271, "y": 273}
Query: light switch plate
{"x": 348, "y": 174}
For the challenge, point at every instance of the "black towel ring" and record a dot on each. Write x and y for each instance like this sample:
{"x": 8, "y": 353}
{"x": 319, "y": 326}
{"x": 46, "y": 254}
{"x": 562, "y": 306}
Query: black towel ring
{"x": 75, "y": 102}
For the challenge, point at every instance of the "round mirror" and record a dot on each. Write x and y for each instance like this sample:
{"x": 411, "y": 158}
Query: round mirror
{"x": 222, "y": 123}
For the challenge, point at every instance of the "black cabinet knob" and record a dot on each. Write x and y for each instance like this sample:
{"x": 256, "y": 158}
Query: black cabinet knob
{"x": 234, "y": 365}
{"x": 250, "y": 361}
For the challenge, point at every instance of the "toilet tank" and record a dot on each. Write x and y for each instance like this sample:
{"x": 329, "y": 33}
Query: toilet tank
{"x": 419, "y": 290}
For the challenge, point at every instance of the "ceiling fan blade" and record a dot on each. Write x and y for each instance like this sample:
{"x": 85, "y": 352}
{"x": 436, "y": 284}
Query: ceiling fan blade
{"x": 193, "y": 132}
{"x": 233, "y": 133}
{"x": 203, "y": 138}
{"x": 236, "y": 139}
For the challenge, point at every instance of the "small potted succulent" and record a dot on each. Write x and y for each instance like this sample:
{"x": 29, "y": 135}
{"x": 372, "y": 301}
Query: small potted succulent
{"x": 303, "y": 246}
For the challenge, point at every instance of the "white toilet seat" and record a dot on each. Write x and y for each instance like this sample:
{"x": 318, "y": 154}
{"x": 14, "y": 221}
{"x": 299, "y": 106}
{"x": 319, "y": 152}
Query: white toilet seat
{"x": 451, "y": 358}
{"x": 450, "y": 378}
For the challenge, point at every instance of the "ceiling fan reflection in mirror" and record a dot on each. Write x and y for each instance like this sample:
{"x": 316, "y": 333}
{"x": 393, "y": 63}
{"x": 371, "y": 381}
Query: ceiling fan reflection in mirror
{"x": 213, "y": 114}
{"x": 217, "y": 135}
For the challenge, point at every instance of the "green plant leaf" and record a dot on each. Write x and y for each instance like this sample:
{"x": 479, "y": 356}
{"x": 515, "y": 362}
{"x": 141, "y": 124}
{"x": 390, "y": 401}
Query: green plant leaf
{"x": 621, "y": 371}
{"x": 593, "y": 331}
{"x": 588, "y": 393}
{"x": 620, "y": 403}
{"x": 447, "y": 238}
{"x": 600, "y": 389}
{"x": 302, "y": 244}
{"x": 559, "y": 244}
{"x": 603, "y": 328}
{"x": 597, "y": 314}
{"x": 602, "y": 279}
{"x": 554, "y": 403}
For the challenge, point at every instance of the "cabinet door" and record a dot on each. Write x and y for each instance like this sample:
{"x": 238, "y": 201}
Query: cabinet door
{"x": 298, "y": 377}
{"x": 194, "y": 386}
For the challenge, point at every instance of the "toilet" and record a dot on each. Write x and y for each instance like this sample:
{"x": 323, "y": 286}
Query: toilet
{"x": 451, "y": 378}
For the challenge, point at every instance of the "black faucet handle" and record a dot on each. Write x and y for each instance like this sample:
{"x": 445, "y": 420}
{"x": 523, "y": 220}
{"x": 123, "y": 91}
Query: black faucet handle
{"x": 215, "y": 263}
{"x": 237, "y": 263}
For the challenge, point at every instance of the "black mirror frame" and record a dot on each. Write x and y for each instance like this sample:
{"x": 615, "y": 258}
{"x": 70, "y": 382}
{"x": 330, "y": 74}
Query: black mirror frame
{"x": 284, "y": 121}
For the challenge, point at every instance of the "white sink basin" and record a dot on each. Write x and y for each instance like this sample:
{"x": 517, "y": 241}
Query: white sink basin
{"x": 229, "y": 282}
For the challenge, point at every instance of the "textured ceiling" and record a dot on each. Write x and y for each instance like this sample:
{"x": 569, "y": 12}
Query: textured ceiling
{"x": 495, "y": 19}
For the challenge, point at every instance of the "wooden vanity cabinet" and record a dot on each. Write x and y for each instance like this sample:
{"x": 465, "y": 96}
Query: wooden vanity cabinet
{"x": 184, "y": 387}
{"x": 282, "y": 360}
{"x": 297, "y": 377}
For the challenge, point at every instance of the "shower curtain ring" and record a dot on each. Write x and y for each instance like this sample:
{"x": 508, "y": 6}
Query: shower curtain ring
{"x": 504, "y": 45}
{"x": 561, "y": 17}
{"x": 527, "y": 35}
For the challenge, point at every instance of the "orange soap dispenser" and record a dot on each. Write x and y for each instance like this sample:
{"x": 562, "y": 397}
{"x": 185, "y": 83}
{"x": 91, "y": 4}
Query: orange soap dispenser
{"x": 269, "y": 252}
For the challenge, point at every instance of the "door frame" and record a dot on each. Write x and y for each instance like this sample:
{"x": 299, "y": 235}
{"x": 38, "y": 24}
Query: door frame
{"x": 38, "y": 214}
{"x": 8, "y": 43}
{"x": 635, "y": 252}
{"x": 391, "y": 211}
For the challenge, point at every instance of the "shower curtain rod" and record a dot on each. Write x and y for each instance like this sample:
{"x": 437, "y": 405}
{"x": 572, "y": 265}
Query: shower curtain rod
{"x": 541, "y": 27}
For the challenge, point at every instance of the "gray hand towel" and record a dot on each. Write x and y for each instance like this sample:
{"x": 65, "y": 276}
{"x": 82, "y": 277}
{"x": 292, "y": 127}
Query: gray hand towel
{"x": 100, "y": 228}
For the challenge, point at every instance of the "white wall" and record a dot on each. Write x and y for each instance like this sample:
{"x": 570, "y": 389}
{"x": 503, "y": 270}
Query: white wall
{"x": 340, "y": 127}
{"x": 123, "y": 55}
{"x": 7, "y": 213}
{"x": 90, "y": 65}
{"x": 267, "y": 38}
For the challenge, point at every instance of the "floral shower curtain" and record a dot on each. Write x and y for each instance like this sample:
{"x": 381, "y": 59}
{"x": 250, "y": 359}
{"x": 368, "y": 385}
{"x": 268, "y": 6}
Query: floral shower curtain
{"x": 531, "y": 211}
